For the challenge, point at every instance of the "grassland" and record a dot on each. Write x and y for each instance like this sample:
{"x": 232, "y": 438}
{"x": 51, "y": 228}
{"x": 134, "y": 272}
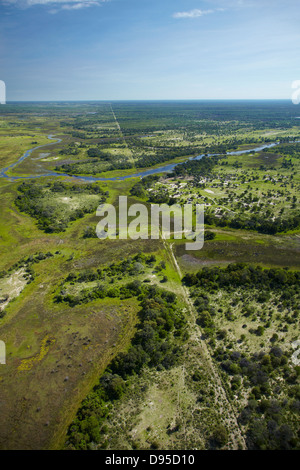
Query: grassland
{"x": 58, "y": 351}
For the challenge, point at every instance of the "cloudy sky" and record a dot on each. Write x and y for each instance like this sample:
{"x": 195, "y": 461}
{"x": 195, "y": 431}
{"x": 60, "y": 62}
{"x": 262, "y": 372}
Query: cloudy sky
{"x": 149, "y": 49}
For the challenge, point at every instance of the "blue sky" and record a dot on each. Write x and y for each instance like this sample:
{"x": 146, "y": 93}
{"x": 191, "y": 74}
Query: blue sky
{"x": 149, "y": 49}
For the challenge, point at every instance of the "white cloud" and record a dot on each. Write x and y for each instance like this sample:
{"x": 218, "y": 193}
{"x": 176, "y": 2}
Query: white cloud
{"x": 79, "y": 5}
{"x": 56, "y": 4}
{"x": 196, "y": 13}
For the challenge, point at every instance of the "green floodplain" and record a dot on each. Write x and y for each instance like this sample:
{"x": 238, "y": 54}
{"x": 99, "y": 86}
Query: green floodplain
{"x": 141, "y": 344}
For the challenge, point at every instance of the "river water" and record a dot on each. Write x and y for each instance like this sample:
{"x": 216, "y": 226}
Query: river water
{"x": 141, "y": 174}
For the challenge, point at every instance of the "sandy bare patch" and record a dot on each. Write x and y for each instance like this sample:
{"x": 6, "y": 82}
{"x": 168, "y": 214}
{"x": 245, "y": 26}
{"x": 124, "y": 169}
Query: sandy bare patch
{"x": 11, "y": 287}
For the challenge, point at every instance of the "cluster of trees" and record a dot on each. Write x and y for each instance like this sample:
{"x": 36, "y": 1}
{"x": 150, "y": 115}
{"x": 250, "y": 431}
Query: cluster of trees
{"x": 242, "y": 274}
{"x": 90, "y": 232}
{"x": 268, "y": 430}
{"x": 97, "y": 161}
{"x": 34, "y": 200}
{"x": 208, "y": 235}
{"x": 133, "y": 265}
{"x": 282, "y": 284}
{"x": 79, "y": 135}
{"x": 95, "y": 152}
{"x": 71, "y": 149}
{"x": 162, "y": 156}
{"x": 98, "y": 154}
{"x": 161, "y": 197}
{"x": 131, "y": 289}
{"x": 196, "y": 168}
{"x": 270, "y": 424}
{"x": 152, "y": 344}
{"x": 266, "y": 418}
{"x": 258, "y": 368}
{"x": 291, "y": 149}
{"x": 140, "y": 188}
{"x": 94, "y": 167}
{"x": 156, "y": 344}
{"x": 255, "y": 222}
{"x": 106, "y": 277}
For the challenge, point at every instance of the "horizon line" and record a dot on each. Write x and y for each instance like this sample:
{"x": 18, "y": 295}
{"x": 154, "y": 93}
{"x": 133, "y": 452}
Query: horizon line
{"x": 159, "y": 99}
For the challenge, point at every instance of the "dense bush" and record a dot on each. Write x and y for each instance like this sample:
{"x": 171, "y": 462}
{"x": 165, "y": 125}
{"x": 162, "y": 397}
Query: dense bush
{"x": 240, "y": 274}
{"x": 33, "y": 200}
{"x": 153, "y": 345}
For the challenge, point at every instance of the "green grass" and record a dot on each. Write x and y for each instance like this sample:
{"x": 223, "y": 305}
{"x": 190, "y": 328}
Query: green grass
{"x": 38, "y": 403}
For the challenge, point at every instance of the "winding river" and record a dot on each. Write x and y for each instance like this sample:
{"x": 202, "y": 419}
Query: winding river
{"x": 162, "y": 169}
